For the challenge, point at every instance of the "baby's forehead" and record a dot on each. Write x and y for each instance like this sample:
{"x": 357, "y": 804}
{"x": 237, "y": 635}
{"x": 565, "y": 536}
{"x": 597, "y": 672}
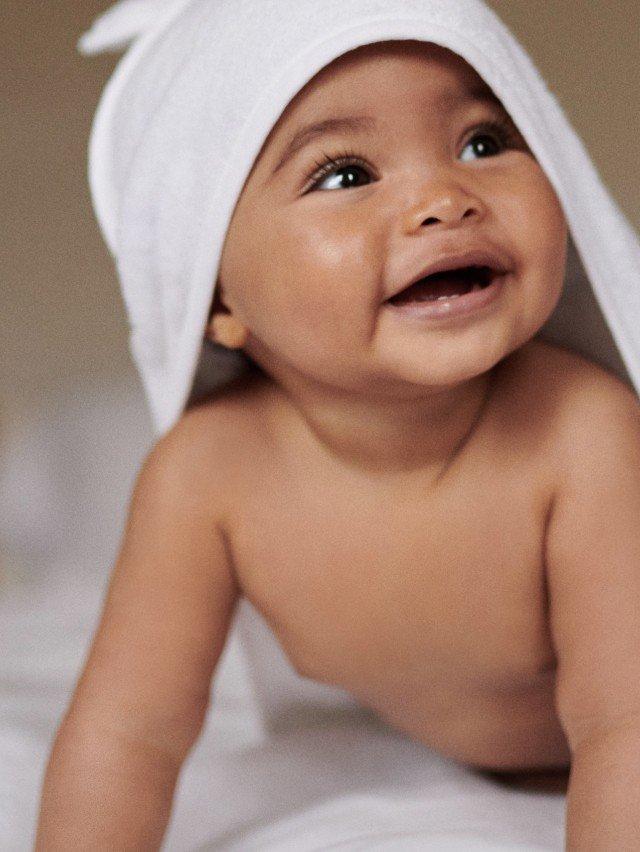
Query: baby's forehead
{"x": 366, "y": 86}
{"x": 388, "y": 69}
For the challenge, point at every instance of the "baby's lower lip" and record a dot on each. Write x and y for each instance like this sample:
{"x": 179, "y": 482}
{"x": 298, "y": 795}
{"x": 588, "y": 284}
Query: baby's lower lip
{"x": 458, "y": 307}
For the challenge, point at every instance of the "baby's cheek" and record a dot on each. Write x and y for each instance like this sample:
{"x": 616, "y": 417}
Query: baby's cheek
{"x": 548, "y": 204}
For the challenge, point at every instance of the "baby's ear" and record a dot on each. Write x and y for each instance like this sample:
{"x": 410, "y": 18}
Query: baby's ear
{"x": 225, "y": 329}
{"x": 216, "y": 308}
{"x": 222, "y": 326}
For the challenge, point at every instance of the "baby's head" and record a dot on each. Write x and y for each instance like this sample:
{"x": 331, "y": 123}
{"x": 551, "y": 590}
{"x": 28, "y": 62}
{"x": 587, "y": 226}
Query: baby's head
{"x": 195, "y": 182}
{"x": 416, "y": 160}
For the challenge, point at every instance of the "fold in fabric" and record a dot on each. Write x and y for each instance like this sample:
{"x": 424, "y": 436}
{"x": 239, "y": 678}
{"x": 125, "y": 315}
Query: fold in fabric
{"x": 116, "y": 28}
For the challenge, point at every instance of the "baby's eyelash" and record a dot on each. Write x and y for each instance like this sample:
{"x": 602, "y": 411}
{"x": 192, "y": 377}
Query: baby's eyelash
{"x": 331, "y": 162}
{"x": 504, "y": 131}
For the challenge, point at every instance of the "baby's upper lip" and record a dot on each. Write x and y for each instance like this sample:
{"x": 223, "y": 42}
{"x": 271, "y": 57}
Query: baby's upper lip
{"x": 471, "y": 256}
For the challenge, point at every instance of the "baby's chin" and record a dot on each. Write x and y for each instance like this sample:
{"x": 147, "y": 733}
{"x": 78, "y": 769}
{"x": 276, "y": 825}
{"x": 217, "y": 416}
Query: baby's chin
{"x": 441, "y": 365}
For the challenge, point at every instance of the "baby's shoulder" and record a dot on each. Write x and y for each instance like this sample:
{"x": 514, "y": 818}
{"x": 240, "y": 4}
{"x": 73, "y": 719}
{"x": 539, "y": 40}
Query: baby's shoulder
{"x": 575, "y": 383}
{"x": 219, "y": 435}
{"x": 584, "y": 402}
{"x": 548, "y": 370}
{"x": 196, "y": 467}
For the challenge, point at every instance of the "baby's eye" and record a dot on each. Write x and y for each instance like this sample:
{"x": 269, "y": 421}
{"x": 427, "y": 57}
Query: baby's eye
{"x": 345, "y": 168}
{"x": 489, "y": 138}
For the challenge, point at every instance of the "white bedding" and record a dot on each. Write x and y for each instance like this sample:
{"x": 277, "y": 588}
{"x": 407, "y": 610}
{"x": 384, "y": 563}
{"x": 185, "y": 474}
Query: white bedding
{"x": 314, "y": 773}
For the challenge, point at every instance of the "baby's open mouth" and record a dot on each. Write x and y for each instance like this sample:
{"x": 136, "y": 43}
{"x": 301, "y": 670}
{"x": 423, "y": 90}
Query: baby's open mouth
{"x": 446, "y": 285}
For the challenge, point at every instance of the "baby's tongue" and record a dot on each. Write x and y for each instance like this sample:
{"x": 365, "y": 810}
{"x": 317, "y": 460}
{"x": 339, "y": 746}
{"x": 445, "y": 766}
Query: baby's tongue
{"x": 454, "y": 283}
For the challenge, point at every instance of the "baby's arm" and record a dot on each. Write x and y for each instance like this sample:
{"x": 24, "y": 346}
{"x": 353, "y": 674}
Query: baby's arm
{"x": 141, "y": 700}
{"x": 593, "y": 572}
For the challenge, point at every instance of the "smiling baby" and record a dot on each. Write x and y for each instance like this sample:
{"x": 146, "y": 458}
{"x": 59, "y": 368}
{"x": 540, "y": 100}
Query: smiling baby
{"x": 433, "y": 509}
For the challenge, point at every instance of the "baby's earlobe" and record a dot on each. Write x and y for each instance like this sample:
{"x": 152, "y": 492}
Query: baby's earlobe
{"x": 227, "y": 330}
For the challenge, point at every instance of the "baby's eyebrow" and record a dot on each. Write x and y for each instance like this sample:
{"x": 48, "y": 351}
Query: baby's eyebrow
{"x": 309, "y": 132}
{"x": 364, "y": 123}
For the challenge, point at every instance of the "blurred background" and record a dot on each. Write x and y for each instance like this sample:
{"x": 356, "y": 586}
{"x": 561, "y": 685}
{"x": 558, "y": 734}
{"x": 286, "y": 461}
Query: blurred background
{"x": 73, "y": 423}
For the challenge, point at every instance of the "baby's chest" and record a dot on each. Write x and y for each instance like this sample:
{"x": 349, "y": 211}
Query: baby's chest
{"x": 419, "y": 592}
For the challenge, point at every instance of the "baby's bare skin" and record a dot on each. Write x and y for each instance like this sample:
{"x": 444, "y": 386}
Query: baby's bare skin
{"x": 424, "y": 600}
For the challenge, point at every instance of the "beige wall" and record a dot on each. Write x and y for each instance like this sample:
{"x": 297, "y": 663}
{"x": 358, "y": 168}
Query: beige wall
{"x": 63, "y": 320}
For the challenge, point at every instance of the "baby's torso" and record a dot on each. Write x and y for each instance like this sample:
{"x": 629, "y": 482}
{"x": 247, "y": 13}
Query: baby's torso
{"x": 427, "y": 605}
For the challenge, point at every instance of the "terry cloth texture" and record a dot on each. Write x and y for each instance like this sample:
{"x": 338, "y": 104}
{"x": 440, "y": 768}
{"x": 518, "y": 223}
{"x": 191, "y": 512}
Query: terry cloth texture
{"x": 188, "y": 108}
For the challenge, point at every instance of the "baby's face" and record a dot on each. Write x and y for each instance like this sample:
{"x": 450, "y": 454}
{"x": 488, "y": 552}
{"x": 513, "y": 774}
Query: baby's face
{"x": 313, "y": 251}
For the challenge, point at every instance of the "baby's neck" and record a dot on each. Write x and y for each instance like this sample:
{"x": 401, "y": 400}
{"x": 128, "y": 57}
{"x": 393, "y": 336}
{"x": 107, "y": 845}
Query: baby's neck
{"x": 377, "y": 437}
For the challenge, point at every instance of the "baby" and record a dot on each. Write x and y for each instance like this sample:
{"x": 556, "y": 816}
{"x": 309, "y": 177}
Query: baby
{"x": 432, "y": 509}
